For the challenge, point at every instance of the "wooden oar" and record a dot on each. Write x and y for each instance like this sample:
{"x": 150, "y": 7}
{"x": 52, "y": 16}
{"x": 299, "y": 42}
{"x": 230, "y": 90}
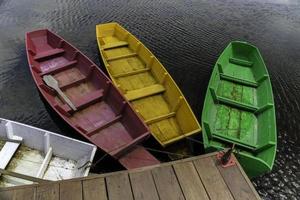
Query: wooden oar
{"x": 51, "y": 82}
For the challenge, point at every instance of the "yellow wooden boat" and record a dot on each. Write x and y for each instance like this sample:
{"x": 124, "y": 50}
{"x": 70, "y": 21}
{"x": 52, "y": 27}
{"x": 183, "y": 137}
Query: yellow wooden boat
{"x": 146, "y": 84}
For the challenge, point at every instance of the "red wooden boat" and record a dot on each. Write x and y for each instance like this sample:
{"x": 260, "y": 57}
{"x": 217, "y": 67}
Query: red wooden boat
{"x": 92, "y": 105}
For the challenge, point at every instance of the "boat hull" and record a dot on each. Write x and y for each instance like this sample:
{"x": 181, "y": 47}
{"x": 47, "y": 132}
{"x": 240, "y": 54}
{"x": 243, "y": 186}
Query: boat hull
{"x": 146, "y": 84}
{"x": 102, "y": 114}
{"x": 239, "y": 109}
{"x": 40, "y": 154}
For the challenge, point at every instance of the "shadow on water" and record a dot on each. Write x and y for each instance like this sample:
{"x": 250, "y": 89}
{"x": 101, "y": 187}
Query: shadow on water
{"x": 187, "y": 37}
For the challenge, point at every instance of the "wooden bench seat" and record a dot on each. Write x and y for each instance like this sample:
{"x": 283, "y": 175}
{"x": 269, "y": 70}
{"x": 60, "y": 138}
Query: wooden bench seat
{"x": 72, "y": 83}
{"x": 130, "y": 73}
{"x": 103, "y": 126}
{"x": 7, "y": 152}
{"x": 60, "y": 68}
{"x": 81, "y": 103}
{"x": 48, "y": 53}
{"x": 240, "y": 62}
{"x": 122, "y": 56}
{"x": 114, "y": 45}
{"x": 144, "y": 92}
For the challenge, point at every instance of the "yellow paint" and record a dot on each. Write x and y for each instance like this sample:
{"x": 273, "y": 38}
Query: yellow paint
{"x": 146, "y": 84}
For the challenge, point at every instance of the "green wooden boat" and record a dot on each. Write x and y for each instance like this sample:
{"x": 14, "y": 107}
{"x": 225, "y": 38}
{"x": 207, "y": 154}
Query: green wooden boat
{"x": 239, "y": 109}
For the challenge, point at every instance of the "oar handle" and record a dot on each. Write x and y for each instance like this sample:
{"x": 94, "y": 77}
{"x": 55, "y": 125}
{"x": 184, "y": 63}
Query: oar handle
{"x": 66, "y": 99}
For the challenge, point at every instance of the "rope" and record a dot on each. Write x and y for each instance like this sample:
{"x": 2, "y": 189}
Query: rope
{"x": 167, "y": 152}
{"x": 194, "y": 140}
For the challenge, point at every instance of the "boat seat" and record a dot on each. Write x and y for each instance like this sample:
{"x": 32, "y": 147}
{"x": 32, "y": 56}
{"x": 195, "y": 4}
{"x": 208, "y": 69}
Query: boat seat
{"x": 7, "y": 152}
{"x": 230, "y": 102}
{"x": 122, "y": 56}
{"x": 93, "y": 131}
{"x": 114, "y": 45}
{"x": 81, "y": 103}
{"x": 118, "y": 153}
{"x": 48, "y": 53}
{"x": 255, "y": 147}
{"x": 239, "y": 81}
{"x": 160, "y": 118}
{"x": 144, "y": 92}
{"x": 72, "y": 83}
{"x": 131, "y": 73}
{"x": 63, "y": 109}
{"x": 60, "y": 68}
{"x": 240, "y": 62}
{"x": 88, "y": 99}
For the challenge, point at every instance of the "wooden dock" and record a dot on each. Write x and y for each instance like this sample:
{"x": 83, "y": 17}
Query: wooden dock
{"x": 196, "y": 178}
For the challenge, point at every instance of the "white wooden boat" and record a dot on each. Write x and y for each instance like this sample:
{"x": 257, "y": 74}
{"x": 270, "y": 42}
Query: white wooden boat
{"x": 40, "y": 154}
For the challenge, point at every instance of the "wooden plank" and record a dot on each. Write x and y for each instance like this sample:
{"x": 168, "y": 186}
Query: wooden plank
{"x": 130, "y": 73}
{"x": 144, "y": 92}
{"x": 7, "y": 152}
{"x": 94, "y": 189}
{"x": 190, "y": 181}
{"x": 47, "y": 192}
{"x": 18, "y": 194}
{"x": 160, "y": 118}
{"x": 121, "y": 56}
{"x": 212, "y": 179}
{"x": 246, "y": 178}
{"x": 164, "y": 178}
{"x": 166, "y": 183}
{"x": 70, "y": 190}
{"x": 23, "y": 176}
{"x": 45, "y": 164}
{"x": 114, "y": 45}
{"x": 236, "y": 183}
{"x": 118, "y": 187}
{"x": 143, "y": 186}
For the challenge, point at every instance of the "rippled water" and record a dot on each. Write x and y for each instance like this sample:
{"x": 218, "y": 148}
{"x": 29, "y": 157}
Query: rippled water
{"x": 187, "y": 37}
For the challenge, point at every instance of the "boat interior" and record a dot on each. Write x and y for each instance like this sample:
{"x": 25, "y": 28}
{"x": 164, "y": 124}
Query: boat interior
{"x": 38, "y": 153}
{"x": 241, "y": 100}
{"x": 146, "y": 84}
{"x": 101, "y": 114}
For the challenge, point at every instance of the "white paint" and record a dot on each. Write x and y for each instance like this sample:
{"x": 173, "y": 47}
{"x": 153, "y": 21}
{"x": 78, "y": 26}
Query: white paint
{"x": 45, "y": 164}
{"x": 46, "y": 143}
{"x": 42, "y": 153}
{"x": 10, "y": 132}
{"x": 7, "y": 152}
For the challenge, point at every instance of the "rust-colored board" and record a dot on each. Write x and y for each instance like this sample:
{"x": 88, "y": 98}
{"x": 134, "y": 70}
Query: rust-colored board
{"x": 166, "y": 183}
{"x": 118, "y": 187}
{"x": 143, "y": 186}
{"x": 71, "y": 190}
{"x": 236, "y": 183}
{"x": 212, "y": 179}
{"x": 18, "y": 194}
{"x": 190, "y": 181}
{"x": 94, "y": 189}
{"x": 47, "y": 192}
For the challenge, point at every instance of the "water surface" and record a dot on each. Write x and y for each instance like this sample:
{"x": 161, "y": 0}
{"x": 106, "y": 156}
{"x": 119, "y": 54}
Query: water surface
{"x": 187, "y": 37}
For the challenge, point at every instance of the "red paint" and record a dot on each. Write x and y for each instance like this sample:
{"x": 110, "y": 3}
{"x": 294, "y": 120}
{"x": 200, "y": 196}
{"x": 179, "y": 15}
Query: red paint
{"x": 103, "y": 115}
{"x": 230, "y": 163}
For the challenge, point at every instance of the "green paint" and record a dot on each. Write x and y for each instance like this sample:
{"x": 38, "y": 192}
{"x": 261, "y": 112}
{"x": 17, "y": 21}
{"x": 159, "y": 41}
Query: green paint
{"x": 236, "y": 94}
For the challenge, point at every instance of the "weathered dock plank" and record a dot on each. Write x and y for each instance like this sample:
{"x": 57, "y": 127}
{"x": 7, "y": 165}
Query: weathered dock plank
{"x": 94, "y": 189}
{"x": 212, "y": 179}
{"x": 47, "y": 192}
{"x": 190, "y": 181}
{"x": 143, "y": 186}
{"x": 194, "y": 178}
{"x": 118, "y": 187}
{"x": 70, "y": 190}
{"x": 166, "y": 183}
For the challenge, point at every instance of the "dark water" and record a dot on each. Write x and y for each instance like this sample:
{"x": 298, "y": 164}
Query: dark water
{"x": 187, "y": 37}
